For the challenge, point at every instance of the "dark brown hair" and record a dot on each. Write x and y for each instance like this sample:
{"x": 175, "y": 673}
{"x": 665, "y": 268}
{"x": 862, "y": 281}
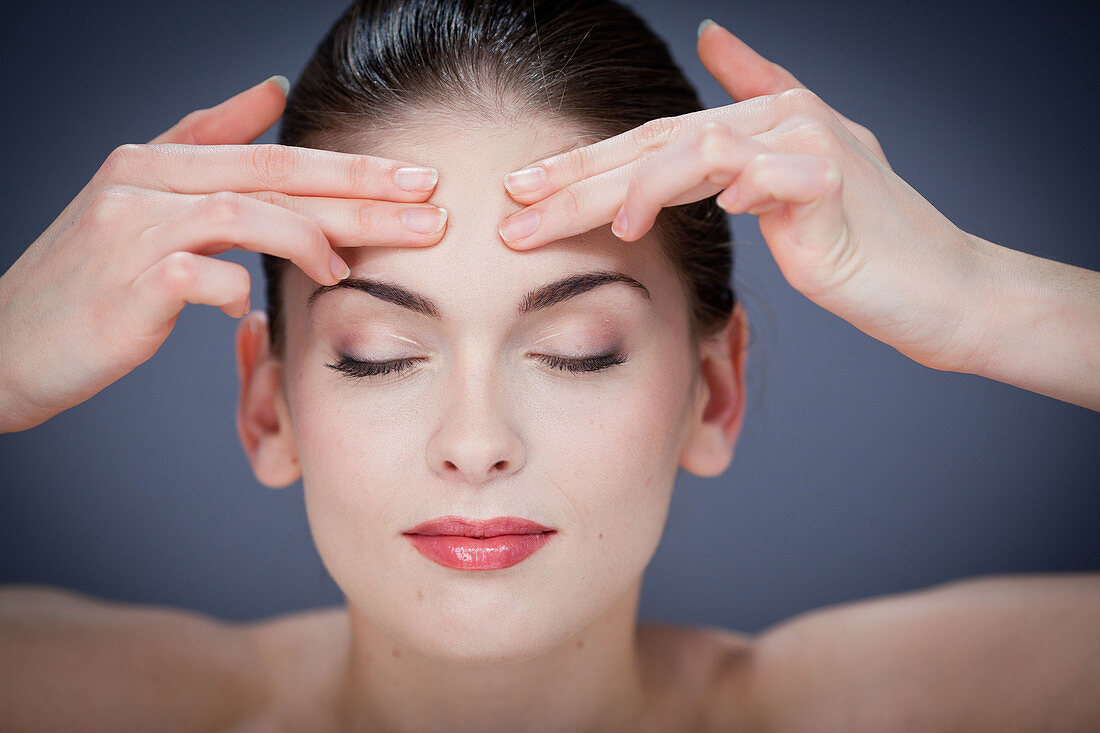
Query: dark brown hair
{"x": 591, "y": 64}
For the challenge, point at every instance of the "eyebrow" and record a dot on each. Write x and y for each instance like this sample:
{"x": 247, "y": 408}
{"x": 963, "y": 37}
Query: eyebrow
{"x": 541, "y": 297}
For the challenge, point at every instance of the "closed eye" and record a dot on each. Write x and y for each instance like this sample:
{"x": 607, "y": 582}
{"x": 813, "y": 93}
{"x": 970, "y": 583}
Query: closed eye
{"x": 359, "y": 369}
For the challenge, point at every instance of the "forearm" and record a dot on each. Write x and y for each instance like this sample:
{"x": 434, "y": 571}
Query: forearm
{"x": 1040, "y": 324}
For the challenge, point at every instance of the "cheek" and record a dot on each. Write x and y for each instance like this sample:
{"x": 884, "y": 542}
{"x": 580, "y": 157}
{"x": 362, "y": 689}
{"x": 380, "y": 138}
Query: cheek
{"x": 599, "y": 460}
{"x": 356, "y": 455}
{"x": 611, "y": 456}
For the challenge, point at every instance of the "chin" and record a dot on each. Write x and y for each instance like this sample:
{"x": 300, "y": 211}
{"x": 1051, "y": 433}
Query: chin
{"x": 475, "y": 619}
{"x": 484, "y": 637}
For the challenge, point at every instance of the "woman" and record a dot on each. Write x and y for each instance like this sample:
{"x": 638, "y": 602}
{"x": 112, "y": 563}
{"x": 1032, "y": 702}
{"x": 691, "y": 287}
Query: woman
{"x": 557, "y": 397}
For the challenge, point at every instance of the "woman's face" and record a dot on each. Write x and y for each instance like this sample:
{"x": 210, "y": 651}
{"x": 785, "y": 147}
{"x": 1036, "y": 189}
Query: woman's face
{"x": 479, "y": 425}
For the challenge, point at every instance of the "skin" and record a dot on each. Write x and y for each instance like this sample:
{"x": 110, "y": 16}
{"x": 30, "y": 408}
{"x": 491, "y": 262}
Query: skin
{"x": 411, "y": 648}
{"x": 593, "y": 456}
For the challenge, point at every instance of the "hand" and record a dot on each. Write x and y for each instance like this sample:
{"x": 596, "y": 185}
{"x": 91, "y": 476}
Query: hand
{"x": 845, "y": 230}
{"x": 97, "y": 294}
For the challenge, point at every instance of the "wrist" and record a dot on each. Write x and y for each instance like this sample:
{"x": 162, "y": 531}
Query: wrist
{"x": 16, "y": 413}
{"x": 1036, "y": 324}
{"x": 988, "y": 305}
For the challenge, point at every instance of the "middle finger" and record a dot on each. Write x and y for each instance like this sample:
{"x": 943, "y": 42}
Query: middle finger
{"x": 199, "y": 169}
{"x": 359, "y": 222}
{"x": 693, "y": 167}
{"x": 750, "y": 117}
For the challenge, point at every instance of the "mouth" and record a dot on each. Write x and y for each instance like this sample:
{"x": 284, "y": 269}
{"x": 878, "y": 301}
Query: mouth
{"x": 459, "y": 543}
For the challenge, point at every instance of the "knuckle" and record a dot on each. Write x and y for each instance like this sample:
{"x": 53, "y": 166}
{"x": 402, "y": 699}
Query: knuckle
{"x": 367, "y": 220}
{"x": 107, "y": 208}
{"x": 223, "y": 207}
{"x": 177, "y": 273}
{"x": 656, "y": 133}
{"x": 800, "y": 98}
{"x": 816, "y": 136}
{"x": 272, "y": 164}
{"x": 274, "y": 197}
{"x": 860, "y": 130}
{"x": 759, "y": 171}
{"x": 583, "y": 163}
{"x": 865, "y": 136}
{"x": 569, "y": 201}
{"x": 120, "y": 161}
{"x": 714, "y": 142}
{"x": 832, "y": 175}
{"x": 360, "y": 171}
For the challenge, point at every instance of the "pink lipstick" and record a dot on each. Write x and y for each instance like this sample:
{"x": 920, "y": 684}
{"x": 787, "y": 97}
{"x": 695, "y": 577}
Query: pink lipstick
{"x": 472, "y": 544}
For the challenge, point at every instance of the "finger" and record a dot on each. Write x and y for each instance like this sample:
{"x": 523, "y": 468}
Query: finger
{"x": 548, "y": 175}
{"x": 745, "y": 74}
{"x": 742, "y": 72}
{"x": 220, "y": 221}
{"x": 702, "y": 163}
{"x": 179, "y": 278}
{"x": 684, "y": 171}
{"x": 357, "y": 223}
{"x": 202, "y": 169}
{"x": 575, "y": 209}
{"x": 799, "y": 201}
{"x": 238, "y": 120}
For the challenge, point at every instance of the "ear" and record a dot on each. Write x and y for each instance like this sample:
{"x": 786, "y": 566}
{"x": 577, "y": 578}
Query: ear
{"x": 263, "y": 420}
{"x": 720, "y": 399}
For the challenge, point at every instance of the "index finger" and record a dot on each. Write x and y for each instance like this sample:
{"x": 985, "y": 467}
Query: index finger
{"x": 549, "y": 175}
{"x": 198, "y": 169}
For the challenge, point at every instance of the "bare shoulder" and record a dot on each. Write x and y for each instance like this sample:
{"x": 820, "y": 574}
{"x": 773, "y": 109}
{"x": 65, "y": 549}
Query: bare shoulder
{"x": 70, "y": 660}
{"x": 998, "y": 653}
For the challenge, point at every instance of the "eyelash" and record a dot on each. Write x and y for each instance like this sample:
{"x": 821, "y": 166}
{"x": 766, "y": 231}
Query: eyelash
{"x": 361, "y": 369}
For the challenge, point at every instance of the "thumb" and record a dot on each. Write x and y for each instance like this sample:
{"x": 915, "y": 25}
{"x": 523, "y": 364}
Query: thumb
{"x": 237, "y": 121}
{"x": 741, "y": 71}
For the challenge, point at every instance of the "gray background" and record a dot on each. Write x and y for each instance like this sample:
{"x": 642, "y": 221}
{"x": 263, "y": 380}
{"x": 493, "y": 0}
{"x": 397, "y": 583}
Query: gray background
{"x": 858, "y": 472}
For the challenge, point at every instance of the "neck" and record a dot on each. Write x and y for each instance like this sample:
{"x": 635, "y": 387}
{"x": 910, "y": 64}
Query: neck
{"x": 591, "y": 681}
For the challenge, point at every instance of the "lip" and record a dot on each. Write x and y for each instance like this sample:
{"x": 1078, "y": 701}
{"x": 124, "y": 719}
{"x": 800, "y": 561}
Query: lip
{"x": 463, "y": 527}
{"x": 471, "y": 544}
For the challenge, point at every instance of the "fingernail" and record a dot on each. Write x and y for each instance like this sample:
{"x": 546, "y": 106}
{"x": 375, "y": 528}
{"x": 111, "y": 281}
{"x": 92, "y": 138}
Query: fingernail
{"x": 415, "y": 178}
{"x": 282, "y": 81}
{"x": 340, "y": 269}
{"x": 703, "y": 26}
{"x": 519, "y": 226}
{"x": 424, "y": 220}
{"x": 526, "y": 180}
{"x": 726, "y": 199}
{"x": 620, "y": 225}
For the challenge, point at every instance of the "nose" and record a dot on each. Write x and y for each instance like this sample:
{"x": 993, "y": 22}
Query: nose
{"x": 475, "y": 442}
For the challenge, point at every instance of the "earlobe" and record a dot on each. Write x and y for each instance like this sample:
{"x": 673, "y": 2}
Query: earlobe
{"x": 263, "y": 423}
{"x": 721, "y": 404}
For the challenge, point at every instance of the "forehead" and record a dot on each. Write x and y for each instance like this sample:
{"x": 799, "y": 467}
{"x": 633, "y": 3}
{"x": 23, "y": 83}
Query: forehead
{"x": 470, "y": 269}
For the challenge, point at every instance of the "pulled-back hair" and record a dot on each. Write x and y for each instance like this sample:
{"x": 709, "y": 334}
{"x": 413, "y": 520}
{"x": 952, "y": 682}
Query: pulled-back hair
{"x": 593, "y": 65}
